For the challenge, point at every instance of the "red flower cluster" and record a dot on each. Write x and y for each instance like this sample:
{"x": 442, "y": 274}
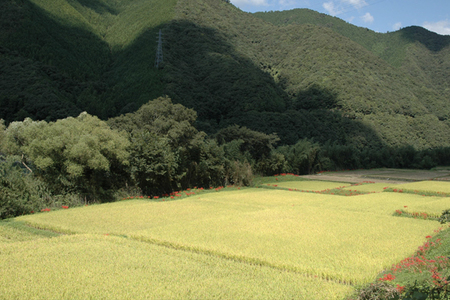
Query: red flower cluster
{"x": 65, "y": 206}
{"x": 418, "y": 262}
{"x": 45, "y": 209}
{"x": 400, "y": 288}
{"x": 387, "y": 277}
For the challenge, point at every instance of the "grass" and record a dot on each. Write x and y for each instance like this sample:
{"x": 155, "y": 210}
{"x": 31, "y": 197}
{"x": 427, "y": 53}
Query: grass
{"x": 247, "y": 243}
{"x": 309, "y": 185}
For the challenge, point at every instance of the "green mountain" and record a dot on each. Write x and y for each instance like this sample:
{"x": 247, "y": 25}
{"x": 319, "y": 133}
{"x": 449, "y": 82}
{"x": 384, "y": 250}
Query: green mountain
{"x": 298, "y": 73}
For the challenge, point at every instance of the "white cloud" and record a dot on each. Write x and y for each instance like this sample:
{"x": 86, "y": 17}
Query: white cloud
{"x": 287, "y": 3}
{"x": 250, "y": 2}
{"x": 441, "y": 27}
{"x": 356, "y": 3}
{"x": 335, "y": 8}
{"x": 368, "y": 18}
{"x": 331, "y": 9}
{"x": 397, "y": 26}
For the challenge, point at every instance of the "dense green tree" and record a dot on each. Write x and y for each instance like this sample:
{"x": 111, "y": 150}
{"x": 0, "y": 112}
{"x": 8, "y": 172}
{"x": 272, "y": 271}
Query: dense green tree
{"x": 81, "y": 155}
{"x": 153, "y": 163}
{"x": 20, "y": 192}
{"x": 257, "y": 144}
{"x": 167, "y": 151}
{"x": 301, "y": 158}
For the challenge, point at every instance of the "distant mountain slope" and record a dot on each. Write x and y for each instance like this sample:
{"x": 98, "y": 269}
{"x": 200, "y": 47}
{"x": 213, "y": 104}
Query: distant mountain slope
{"x": 422, "y": 54}
{"x": 319, "y": 71}
{"x": 320, "y": 78}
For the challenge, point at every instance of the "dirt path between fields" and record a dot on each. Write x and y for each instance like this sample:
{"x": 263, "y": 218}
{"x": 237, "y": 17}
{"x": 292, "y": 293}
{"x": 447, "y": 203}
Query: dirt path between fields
{"x": 383, "y": 175}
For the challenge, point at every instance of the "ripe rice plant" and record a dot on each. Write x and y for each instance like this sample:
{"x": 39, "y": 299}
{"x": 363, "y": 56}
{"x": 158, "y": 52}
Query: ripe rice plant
{"x": 426, "y": 186}
{"x": 108, "y": 267}
{"x": 347, "y": 239}
{"x": 432, "y": 208}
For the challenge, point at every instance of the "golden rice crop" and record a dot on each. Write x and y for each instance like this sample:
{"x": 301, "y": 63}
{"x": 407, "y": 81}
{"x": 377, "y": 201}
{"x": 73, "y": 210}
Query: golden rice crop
{"x": 15, "y": 231}
{"x": 349, "y": 239}
{"x": 108, "y": 267}
{"x": 433, "y": 207}
{"x": 429, "y": 186}
{"x": 382, "y": 203}
{"x": 310, "y": 185}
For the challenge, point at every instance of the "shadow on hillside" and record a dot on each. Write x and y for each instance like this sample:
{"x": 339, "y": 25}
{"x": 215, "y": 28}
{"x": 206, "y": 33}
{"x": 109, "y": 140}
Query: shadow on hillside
{"x": 46, "y": 66}
{"x": 206, "y": 73}
{"x": 96, "y": 5}
{"x": 201, "y": 70}
{"x": 431, "y": 40}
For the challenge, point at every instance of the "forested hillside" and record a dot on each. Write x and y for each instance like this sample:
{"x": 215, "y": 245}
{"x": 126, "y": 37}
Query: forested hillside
{"x": 298, "y": 73}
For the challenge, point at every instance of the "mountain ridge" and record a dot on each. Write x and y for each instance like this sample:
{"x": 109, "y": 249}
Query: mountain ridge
{"x": 232, "y": 67}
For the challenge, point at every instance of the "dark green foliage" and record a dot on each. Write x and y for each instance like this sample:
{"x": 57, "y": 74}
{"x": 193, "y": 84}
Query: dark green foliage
{"x": 153, "y": 162}
{"x": 167, "y": 152}
{"x": 257, "y": 144}
{"x": 20, "y": 192}
{"x": 427, "y": 291}
{"x": 445, "y": 217}
{"x": 301, "y": 158}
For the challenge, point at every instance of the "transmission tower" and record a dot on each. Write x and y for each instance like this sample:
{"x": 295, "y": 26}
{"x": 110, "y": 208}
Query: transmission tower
{"x": 159, "y": 52}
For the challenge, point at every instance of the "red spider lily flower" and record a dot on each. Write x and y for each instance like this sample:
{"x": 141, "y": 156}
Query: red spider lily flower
{"x": 428, "y": 237}
{"x": 400, "y": 288}
{"x": 65, "y": 206}
{"x": 156, "y": 197}
{"x": 387, "y": 277}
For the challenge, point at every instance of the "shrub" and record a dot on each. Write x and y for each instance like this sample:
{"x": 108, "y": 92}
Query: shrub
{"x": 19, "y": 192}
{"x": 445, "y": 217}
{"x": 379, "y": 291}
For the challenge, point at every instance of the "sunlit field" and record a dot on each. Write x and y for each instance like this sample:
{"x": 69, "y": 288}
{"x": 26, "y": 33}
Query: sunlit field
{"x": 435, "y": 186}
{"x": 108, "y": 267}
{"x": 248, "y": 243}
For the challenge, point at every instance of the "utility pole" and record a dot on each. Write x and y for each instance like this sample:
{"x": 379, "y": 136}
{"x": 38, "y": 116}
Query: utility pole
{"x": 159, "y": 53}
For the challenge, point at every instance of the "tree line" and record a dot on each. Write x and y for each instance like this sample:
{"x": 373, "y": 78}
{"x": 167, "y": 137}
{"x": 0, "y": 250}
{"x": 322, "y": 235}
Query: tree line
{"x": 158, "y": 150}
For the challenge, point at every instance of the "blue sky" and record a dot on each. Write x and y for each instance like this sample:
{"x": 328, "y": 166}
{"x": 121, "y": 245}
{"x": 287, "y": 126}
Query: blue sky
{"x": 378, "y": 15}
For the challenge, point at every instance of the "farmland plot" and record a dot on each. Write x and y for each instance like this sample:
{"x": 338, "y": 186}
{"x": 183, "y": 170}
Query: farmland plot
{"x": 106, "y": 267}
{"x": 344, "y": 239}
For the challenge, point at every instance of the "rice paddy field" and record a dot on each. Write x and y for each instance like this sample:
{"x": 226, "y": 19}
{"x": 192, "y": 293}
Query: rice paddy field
{"x": 279, "y": 240}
